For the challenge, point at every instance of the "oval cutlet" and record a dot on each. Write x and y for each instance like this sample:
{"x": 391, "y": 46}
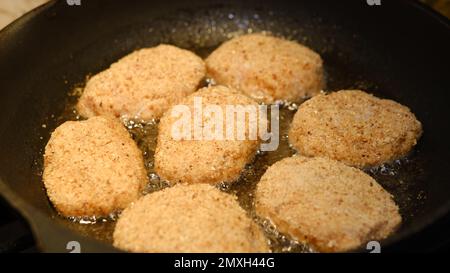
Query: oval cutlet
{"x": 143, "y": 84}
{"x": 330, "y": 206}
{"x": 354, "y": 127}
{"x": 188, "y": 218}
{"x": 267, "y": 69}
{"x": 92, "y": 168}
{"x": 203, "y": 161}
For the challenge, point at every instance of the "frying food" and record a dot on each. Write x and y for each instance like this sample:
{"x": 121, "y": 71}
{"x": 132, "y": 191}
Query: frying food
{"x": 267, "y": 68}
{"x": 203, "y": 161}
{"x": 320, "y": 198}
{"x": 143, "y": 84}
{"x": 330, "y": 206}
{"x": 354, "y": 127}
{"x": 188, "y": 218}
{"x": 92, "y": 168}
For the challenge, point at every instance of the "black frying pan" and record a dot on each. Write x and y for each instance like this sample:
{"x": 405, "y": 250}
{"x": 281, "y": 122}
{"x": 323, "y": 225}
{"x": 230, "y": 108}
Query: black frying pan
{"x": 398, "y": 50}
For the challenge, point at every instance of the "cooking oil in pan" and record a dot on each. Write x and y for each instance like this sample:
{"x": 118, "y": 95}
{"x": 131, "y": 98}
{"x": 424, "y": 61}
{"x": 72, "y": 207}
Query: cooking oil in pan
{"x": 397, "y": 177}
{"x": 401, "y": 178}
{"x": 145, "y": 136}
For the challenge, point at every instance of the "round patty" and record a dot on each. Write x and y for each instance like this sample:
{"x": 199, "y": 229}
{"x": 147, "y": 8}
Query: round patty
{"x": 143, "y": 84}
{"x": 203, "y": 161}
{"x": 330, "y": 206}
{"x": 354, "y": 127}
{"x": 188, "y": 218}
{"x": 267, "y": 68}
{"x": 92, "y": 168}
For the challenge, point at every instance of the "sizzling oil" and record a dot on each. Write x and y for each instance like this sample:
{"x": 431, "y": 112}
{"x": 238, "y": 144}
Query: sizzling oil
{"x": 401, "y": 178}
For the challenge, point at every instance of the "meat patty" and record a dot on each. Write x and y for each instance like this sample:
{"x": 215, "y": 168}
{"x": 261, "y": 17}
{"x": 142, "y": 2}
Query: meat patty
{"x": 204, "y": 161}
{"x": 143, "y": 84}
{"x": 354, "y": 127}
{"x": 92, "y": 168}
{"x": 267, "y": 68}
{"x": 188, "y": 218}
{"x": 330, "y": 206}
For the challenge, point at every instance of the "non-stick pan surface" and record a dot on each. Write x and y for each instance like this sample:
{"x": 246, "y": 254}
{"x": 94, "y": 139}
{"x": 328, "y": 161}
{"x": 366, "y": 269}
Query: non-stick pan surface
{"x": 398, "y": 50}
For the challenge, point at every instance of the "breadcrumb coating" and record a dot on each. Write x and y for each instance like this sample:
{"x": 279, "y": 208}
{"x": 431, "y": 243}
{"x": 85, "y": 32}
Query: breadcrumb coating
{"x": 267, "y": 68}
{"x": 203, "y": 161}
{"x": 92, "y": 168}
{"x": 330, "y": 206}
{"x": 188, "y": 218}
{"x": 354, "y": 127}
{"x": 143, "y": 84}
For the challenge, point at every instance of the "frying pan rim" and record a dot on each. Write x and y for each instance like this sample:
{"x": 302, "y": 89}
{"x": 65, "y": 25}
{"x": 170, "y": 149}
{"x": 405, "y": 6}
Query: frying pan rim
{"x": 27, "y": 15}
{"x": 31, "y": 214}
{"x": 442, "y": 19}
